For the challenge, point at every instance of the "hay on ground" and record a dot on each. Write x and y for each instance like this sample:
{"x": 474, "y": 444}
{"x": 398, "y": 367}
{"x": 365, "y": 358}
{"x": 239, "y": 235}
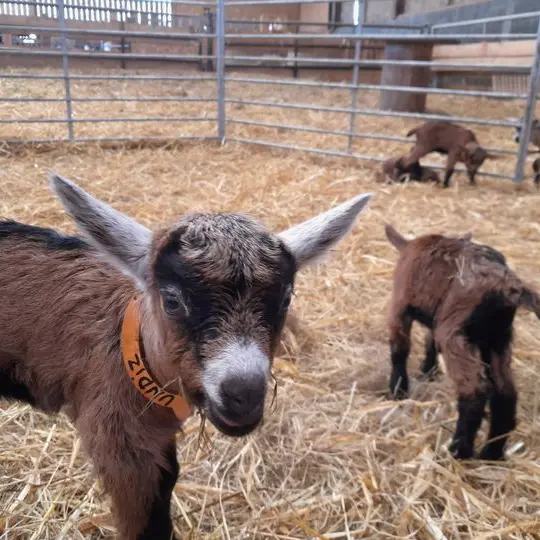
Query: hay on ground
{"x": 335, "y": 458}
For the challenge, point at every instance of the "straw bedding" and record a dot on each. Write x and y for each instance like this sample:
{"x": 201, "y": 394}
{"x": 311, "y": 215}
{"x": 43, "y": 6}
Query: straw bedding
{"x": 335, "y": 458}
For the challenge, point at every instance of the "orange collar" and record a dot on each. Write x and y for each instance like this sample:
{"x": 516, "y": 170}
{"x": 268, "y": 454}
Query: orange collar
{"x": 137, "y": 371}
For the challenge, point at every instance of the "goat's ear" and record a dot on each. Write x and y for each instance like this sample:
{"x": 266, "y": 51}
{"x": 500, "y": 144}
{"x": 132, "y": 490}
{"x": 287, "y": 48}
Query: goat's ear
{"x": 124, "y": 242}
{"x": 489, "y": 155}
{"x": 311, "y": 239}
{"x": 396, "y": 239}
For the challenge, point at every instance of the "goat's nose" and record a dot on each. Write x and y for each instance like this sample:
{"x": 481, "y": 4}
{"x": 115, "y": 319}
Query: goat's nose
{"x": 243, "y": 397}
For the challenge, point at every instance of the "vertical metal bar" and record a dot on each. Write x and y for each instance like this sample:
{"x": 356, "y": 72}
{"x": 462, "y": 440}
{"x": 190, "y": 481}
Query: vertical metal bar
{"x": 220, "y": 71}
{"x": 529, "y": 112}
{"x": 65, "y": 67}
{"x": 356, "y": 70}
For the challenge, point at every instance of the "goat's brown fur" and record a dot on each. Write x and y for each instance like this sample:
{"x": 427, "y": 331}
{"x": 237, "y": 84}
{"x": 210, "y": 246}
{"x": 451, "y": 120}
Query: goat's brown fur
{"x": 467, "y": 296}
{"x": 415, "y": 172}
{"x": 536, "y": 170}
{"x": 458, "y": 143}
{"x": 213, "y": 293}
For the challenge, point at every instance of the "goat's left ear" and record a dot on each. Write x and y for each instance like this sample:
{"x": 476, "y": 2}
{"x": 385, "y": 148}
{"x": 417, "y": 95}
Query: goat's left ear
{"x": 124, "y": 242}
{"x": 489, "y": 155}
{"x": 310, "y": 240}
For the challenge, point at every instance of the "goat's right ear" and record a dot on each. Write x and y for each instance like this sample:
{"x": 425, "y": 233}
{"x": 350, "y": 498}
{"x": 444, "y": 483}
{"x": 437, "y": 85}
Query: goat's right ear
{"x": 124, "y": 242}
{"x": 396, "y": 239}
{"x": 310, "y": 241}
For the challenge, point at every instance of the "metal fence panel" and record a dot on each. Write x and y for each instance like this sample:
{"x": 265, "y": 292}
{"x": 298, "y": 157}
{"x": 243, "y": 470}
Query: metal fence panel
{"x": 222, "y": 43}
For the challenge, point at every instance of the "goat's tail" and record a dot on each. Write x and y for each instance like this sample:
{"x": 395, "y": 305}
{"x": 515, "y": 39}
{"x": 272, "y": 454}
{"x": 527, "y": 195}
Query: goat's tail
{"x": 412, "y": 132}
{"x": 396, "y": 239}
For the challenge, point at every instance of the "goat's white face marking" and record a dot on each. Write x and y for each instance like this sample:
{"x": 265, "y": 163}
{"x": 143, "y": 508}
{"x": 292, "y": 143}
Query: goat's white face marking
{"x": 236, "y": 360}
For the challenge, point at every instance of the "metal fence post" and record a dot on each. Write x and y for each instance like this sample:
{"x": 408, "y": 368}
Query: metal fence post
{"x": 528, "y": 117}
{"x": 220, "y": 71}
{"x": 65, "y": 67}
{"x": 356, "y": 71}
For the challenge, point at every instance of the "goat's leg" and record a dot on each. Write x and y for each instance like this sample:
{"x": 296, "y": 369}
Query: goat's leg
{"x": 466, "y": 370}
{"x": 159, "y": 522}
{"x": 400, "y": 343}
{"x": 470, "y": 415}
{"x": 411, "y": 158}
{"x": 429, "y": 365}
{"x": 450, "y": 165}
{"x": 139, "y": 476}
{"x": 503, "y": 407}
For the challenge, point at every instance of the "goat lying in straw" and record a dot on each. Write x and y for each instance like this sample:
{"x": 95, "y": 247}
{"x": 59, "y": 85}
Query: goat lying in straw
{"x": 127, "y": 330}
{"x": 415, "y": 172}
{"x": 467, "y": 296}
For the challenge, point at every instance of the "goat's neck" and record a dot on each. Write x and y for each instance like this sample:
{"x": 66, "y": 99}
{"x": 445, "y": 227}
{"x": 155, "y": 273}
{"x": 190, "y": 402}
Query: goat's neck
{"x": 153, "y": 336}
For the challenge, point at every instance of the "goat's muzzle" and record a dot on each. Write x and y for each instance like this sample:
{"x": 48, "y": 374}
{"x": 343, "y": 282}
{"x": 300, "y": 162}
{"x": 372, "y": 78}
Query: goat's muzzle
{"x": 235, "y": 384}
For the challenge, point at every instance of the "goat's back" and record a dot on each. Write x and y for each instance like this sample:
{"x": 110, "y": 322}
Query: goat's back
{"x": 442, "y": 135}
{"x": 438, "y": 277}
{"x": 61, "y": 313}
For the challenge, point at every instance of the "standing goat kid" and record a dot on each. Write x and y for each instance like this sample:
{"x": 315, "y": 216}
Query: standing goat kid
{"x": 456, "y": 142}
{"x": 192, "y": 314}
{"x": 467, "y": 296}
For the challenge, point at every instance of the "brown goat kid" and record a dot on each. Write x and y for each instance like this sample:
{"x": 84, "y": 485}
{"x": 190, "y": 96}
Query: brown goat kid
{"x": 192, "y": 314}
{"x": 415, "y": 172}
{"x": 467, "y": 296}
{"x": 458, "y": 143}
{"x": 535, "y": 133}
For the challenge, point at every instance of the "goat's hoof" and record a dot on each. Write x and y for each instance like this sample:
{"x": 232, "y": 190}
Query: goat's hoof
{"x": 460, "y": 451}
{"x": 399, "y": 386}
{"x": 489, "y": 453}
{"x": 429, "y": 374}
{"x": 399, "y": 394}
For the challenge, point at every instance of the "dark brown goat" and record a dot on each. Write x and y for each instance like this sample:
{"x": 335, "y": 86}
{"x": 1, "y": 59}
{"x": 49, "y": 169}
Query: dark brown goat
{"x": 536, "y": 169}
{"x": 415, "y": 172}
{"x": 467, "y": 296}
{"x": 535, "y": 133}
{"x": 208, "y": 298}
{"x": 458, "y": 143}
{"x": 535, "y": 140}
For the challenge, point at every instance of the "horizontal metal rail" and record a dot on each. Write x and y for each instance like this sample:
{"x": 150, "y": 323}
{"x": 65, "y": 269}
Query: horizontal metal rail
{"x": 277, "y": 2}
{"x": 485, "y": 20}
{"x": 338, "y": 133}
{"x": 44, "y": 3}
{"x": 346, "y": 86}
{"x": 338, "y": 153}
{"x": 111, "y": 120}
{"x": 350, "y": 62}
{"x": 148, "y": 78}
{"x": 321, "y": 24}
{"x": 386, "y": 37}
{"x": 150, "y": 99}
{"x": 142, "y": 140}
{"x": 106, "y": 33}
{"x": 110, "y": 56}
{"x": 372, "y": 112}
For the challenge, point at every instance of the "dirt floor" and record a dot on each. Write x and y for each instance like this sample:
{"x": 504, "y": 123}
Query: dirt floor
{"x": 335, "y": 458}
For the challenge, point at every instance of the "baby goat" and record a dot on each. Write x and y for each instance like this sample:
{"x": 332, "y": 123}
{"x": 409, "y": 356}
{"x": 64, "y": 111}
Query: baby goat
{"x": 127, "y": 330}
{"x": 458, "y": 143}
{"x": 415, "y": 172}
{"x": 534, "y": 139}
{"x": 535, "y": 133}
{"x": 467, "y": 296}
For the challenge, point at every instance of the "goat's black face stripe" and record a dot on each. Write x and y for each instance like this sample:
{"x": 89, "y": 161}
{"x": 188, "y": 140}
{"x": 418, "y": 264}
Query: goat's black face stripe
{"x": 210, "y": 304}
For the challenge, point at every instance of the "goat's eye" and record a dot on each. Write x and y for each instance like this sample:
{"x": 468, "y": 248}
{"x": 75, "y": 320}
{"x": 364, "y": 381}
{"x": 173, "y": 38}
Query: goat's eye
{"x": 173, "y": 302}
{"x": 287, "y": 298}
